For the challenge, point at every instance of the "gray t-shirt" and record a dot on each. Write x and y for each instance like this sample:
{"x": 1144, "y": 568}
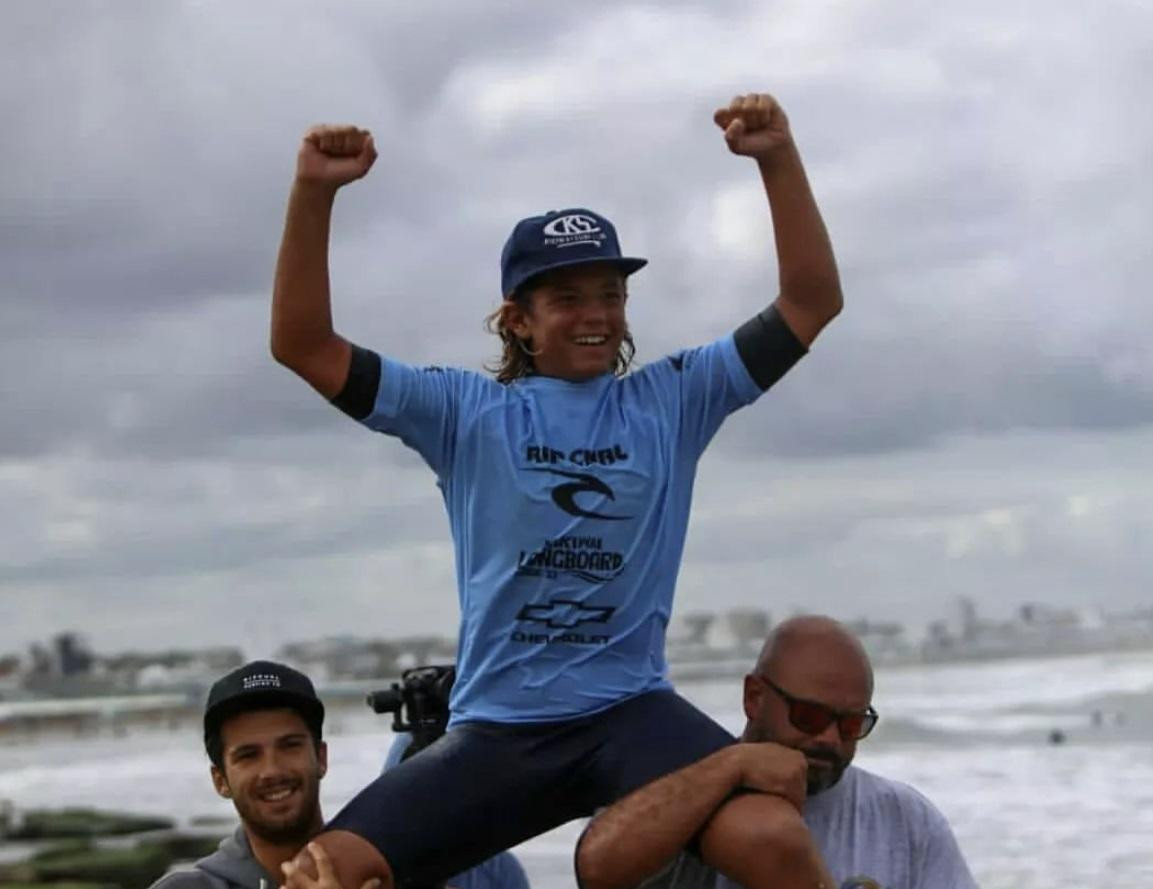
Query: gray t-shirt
{"x": 873, "y": 833}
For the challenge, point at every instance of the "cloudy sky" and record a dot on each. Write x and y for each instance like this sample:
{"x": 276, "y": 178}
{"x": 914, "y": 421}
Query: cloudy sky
{"x": 979, "y": 421}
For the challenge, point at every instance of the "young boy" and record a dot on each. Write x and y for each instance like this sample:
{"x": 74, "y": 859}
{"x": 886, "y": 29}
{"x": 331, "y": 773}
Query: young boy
{"x": 568, "y": 485}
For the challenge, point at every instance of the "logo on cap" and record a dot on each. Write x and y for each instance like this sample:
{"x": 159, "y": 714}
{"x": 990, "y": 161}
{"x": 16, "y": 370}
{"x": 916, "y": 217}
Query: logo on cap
{"x": 261, "y": 680}
{"x": 575, "y": 228}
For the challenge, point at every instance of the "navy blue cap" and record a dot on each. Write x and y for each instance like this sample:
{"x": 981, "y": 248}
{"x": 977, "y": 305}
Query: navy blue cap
{"x": 260, "y": 685}
{"x": 557, "y": 240}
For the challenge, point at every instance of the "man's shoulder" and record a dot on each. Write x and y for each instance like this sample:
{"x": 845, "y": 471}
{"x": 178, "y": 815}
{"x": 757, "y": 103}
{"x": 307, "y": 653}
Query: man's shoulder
{"x": 188, "y": 877}
{"x": 872, "y": 784}
{"x": 895, "y": 798}
{"x": 232, "y": 865}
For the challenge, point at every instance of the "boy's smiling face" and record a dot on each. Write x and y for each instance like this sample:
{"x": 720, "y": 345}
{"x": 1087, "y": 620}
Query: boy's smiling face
{"x": 574, "y": 321}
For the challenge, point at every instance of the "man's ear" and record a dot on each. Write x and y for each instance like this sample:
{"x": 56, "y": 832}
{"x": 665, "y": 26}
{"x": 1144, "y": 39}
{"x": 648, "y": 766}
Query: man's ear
{"x": 322, "y": 758}
{"x": 754, "y": 697}
{"x": 220, "y": 782}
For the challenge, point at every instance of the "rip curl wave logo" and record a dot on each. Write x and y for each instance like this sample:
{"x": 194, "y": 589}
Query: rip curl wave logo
{"x": 573, "y": 229}
{"x": 564, "y": 496}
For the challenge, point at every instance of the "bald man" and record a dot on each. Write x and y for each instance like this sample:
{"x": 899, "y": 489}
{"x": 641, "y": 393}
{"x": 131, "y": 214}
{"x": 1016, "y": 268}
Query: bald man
{"x": 808, "y": 703}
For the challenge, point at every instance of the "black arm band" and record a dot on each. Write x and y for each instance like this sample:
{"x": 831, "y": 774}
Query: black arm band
{"x": 359, "y": 393}
{"x": 768, "y": 347}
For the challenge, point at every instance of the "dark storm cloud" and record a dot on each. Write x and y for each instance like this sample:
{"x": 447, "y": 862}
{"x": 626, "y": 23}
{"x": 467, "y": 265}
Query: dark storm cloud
{"x": 170, "y": 194}
{"x": 983, "y": 175}
{"x": 155, "y": 142}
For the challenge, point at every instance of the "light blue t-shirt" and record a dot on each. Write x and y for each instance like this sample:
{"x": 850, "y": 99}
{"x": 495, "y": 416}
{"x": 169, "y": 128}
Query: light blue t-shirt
{"x": 872, "y": 833}
{"x": 568, "y": 504}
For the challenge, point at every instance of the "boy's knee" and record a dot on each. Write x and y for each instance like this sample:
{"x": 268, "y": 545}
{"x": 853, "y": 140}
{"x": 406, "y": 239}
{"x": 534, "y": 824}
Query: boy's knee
{"x": 757, "y": 830}
{"x": 353, "y": 858}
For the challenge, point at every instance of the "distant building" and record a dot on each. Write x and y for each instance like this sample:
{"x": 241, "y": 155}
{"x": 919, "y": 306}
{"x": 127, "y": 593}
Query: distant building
{"x": 346, "y": 657}
{"x": 691, "y": 629}
{"x": 884, "y": 641}
{"x": 1037, "y": 630}
{"x": 749, "y": 626}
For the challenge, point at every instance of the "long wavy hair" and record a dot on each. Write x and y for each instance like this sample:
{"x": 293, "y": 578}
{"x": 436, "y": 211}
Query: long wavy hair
{"x": 516, "y": 355}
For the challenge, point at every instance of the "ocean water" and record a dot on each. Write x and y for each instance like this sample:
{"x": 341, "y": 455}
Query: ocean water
{"x": 975, "y": 738}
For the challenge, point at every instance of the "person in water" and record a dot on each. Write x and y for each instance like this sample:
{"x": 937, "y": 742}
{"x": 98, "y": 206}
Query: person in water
{"x": 567, "y": 481}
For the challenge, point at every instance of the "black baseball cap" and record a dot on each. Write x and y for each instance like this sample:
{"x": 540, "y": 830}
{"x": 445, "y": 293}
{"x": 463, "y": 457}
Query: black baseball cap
{"x": 559, "y": 239}
{"x": 262, "y": 685}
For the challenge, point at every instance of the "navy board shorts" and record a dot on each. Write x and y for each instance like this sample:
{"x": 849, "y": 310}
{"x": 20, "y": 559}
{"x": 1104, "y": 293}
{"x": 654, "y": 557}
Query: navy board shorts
{"x": 484, "y": 787}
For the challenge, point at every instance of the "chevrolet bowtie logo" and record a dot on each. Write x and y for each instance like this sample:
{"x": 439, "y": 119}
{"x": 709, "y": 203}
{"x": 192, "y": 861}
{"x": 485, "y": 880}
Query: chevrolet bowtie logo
{"x": 564, "y": 614}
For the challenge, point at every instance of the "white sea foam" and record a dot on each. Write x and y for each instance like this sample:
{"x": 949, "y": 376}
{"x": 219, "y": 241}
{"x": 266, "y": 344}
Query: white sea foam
{"x": 1002, "y": 685}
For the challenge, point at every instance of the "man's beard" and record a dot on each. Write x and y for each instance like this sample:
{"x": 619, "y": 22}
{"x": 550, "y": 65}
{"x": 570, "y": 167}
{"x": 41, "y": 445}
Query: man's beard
{"x": 818, "y": 779}
{"x": 295, "y": 831}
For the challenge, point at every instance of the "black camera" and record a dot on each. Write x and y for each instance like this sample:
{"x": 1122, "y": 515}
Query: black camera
{"x": 418, "y": 703}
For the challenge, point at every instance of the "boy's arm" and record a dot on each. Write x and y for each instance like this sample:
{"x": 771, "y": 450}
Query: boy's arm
{"x": 810, "y": 297}
{"x": 302, "y": 336}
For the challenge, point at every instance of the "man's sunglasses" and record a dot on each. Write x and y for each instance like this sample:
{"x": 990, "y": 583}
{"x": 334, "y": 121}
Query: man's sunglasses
{"x": 812, "y": 717}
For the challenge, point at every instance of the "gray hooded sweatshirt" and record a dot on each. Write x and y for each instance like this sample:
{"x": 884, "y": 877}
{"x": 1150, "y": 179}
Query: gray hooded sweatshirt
{"x": 232, "y": 866}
